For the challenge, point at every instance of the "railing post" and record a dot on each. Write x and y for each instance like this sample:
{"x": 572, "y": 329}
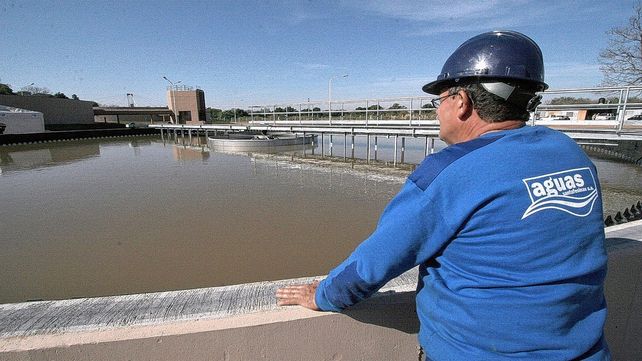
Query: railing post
{"x": 426, "y": 148}
{"x": 375, "y": 149}
{"x": 345, "y": 146}
{"x": 352, "y": 145}
{"x": 366, "y": 112}
{"x": 305, "y": 144}
{"x": 368, "y": 149}
{"x": 395, "y": 157}
{"x": 622, "y": 112}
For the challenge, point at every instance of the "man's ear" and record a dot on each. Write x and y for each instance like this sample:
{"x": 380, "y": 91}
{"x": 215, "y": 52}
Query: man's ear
{"x": 465, "y": 107}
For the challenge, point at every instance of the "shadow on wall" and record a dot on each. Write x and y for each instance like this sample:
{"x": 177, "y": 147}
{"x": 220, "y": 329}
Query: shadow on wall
{"x": 390, "y": 310}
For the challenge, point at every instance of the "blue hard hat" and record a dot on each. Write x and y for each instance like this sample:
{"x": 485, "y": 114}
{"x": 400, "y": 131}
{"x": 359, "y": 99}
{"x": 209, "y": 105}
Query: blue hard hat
{"x": 493, "y": 56}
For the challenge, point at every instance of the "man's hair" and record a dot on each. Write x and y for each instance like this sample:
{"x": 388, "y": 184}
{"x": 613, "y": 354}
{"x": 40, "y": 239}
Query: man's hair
{"x": 490, "y": 107}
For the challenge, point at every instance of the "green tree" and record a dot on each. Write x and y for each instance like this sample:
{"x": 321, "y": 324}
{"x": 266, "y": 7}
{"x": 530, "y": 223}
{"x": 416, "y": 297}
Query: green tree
{"x": 74, "y": 97}
{"x": 571, "y": 100}
{"x": 375, "y": 107}
{"x": 621, "y": 61}
{"x": 5, "y": 89}
{"x": 60, "y": 95}
{"x": 230, "y": 114}
{"x": 215, "y": 114}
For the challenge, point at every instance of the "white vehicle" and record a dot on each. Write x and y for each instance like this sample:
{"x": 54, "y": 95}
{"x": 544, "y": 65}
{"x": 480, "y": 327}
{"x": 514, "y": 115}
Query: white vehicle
{"x": 604, "y": 116}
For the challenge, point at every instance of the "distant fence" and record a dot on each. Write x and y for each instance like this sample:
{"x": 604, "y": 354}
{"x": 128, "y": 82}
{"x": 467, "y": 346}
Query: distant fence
{"x": 606, "y": 106}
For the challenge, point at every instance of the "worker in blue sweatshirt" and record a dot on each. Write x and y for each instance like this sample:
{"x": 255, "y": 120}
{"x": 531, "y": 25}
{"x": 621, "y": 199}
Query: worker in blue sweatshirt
{"x": 505, "y": 224}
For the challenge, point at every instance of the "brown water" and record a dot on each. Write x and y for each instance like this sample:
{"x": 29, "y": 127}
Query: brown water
{"x": 104, "y": 217}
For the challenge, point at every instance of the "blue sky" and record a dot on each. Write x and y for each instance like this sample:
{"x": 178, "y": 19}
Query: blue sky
{"x": 245, "y": 53}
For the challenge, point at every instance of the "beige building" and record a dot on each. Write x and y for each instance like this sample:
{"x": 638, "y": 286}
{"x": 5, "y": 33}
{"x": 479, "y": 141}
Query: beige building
{"x": 188, "y": 103}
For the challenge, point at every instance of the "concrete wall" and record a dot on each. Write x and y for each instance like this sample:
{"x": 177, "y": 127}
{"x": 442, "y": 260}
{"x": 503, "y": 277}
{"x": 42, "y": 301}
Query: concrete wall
{"x": 188, "y": 101}
{"x": 243, "y": 323}
{"x": 127, "y": 118}
{"x": 22, "y": 122}
{"x": 54, "y": 110}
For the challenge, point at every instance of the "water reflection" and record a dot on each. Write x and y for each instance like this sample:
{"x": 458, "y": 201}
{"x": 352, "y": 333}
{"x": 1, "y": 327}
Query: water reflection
{"x": 34, "y": 156}
{"x": 185, "y": 153}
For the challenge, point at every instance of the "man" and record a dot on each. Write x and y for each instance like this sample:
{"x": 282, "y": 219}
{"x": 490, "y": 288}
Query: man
{"x": 505, "y": 223}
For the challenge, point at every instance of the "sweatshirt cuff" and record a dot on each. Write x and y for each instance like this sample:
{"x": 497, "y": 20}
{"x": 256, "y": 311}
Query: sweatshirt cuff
{"x": 321, "y": 301}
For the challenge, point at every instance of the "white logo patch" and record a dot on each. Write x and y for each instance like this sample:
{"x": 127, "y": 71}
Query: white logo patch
{"x": 573, "y": 191}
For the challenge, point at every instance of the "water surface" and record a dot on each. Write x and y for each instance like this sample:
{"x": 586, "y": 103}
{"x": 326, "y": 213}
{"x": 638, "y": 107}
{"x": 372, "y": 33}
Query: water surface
{"x": 103, "y": 217}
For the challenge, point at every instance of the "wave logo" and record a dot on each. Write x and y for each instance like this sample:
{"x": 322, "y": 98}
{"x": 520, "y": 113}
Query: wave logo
{"x": 573, "y": 191}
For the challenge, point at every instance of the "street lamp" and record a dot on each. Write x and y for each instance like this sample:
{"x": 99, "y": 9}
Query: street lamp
{"x": 330, "y": 95}
{"x": 27, "y": 89}
{"x": 173, "y": 98}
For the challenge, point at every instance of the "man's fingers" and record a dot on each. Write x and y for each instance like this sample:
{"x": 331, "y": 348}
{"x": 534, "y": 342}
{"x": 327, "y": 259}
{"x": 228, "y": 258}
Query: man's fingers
{"x": 288, "y": 291}
{"x": 298, "y": 295}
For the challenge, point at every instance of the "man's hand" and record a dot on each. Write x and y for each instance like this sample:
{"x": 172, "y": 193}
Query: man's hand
{"x": 298, "y": 295}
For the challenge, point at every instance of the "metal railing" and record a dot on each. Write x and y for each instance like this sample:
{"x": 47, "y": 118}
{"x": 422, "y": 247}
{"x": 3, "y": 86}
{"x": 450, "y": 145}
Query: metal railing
{"x": 610, "y": 106}
{"x": 404, "y": 109}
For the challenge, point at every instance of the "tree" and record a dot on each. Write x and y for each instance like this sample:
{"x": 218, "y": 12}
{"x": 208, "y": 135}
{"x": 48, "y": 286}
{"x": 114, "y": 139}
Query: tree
{"x": 621, "y": 61}
{"x": 33, "y": 90}
{"x": 60, "y": 95}
{"x": 74, "y": 97}
{"x": 5, "y": 89}
{"x": 234, "y": 113}
{"x": 215, "y": 114}
{"x": 571, "y": 100}
{"x": 397, "y": 106}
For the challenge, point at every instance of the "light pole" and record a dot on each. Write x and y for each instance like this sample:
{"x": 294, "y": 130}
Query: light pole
{"x": 173, "y": 98}
{"x": 330, "y": 95}
{"x": 27, "y": 88}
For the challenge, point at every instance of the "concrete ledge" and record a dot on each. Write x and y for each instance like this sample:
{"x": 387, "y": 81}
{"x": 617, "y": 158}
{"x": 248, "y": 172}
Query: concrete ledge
{"x": 242, "y": 322}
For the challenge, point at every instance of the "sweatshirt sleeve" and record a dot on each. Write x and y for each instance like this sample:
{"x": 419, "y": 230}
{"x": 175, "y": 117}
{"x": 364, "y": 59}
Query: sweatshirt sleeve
{"x": 410, "y": 231}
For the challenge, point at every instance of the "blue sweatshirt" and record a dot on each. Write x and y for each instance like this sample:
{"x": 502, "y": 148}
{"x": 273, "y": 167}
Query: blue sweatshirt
{"x": 507, "y": 232}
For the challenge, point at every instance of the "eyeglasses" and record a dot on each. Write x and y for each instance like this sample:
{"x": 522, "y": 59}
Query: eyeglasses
{"x": 437, "y": 101}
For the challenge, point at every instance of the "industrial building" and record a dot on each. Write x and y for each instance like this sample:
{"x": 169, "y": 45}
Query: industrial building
{"x": 187, "y": 103}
